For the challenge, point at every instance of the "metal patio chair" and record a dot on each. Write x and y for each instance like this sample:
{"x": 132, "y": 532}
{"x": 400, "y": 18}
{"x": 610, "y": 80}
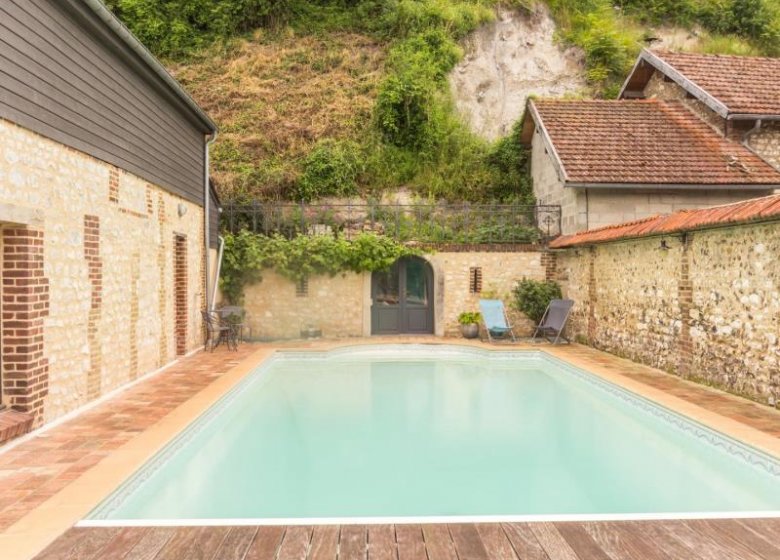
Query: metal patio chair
{"x": 554, "y": 320}
{"x": 495, "y": 319}
{"x": 234, "y": 316}
{"x": 217, "y": 332}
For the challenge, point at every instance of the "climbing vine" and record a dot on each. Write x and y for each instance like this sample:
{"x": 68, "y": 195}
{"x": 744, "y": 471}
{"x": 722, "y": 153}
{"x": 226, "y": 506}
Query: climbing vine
{"x": 248, "y": 254}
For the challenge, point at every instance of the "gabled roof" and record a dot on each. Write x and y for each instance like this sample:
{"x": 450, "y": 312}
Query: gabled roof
{"x": 642, "y": 143}
{"x": 750, "y": 211}
{"x": 729, "y": 85}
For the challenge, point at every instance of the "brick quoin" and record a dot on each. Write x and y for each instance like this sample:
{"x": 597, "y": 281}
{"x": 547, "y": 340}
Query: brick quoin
{"x": 685, "y": 299}
{"x": 550, "y": 265}
{"x": 180, "y": 292}
{"x": 113, "y": 184}
{"x": 95, "y": 271}
{"x": 25, "y": 293}
{"x": 592, "y": 295}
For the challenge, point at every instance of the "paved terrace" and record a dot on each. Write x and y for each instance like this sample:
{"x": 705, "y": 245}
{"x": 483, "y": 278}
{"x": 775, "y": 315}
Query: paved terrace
{"x": 50, "y": 481}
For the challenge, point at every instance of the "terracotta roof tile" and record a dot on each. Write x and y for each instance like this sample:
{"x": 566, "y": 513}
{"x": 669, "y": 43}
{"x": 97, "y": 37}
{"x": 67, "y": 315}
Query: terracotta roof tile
{"x": 646, "y": 142}
{"x": 744, "y": 84}
{"x": 757, "y": 209}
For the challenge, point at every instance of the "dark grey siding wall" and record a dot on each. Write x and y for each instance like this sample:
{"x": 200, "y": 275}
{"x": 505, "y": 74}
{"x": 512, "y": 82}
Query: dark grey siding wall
{"x": 63, "y": 75}
{"x": 213, "y": 220}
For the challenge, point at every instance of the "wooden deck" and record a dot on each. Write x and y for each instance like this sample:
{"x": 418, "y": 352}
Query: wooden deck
{"x": 728, "y": 539}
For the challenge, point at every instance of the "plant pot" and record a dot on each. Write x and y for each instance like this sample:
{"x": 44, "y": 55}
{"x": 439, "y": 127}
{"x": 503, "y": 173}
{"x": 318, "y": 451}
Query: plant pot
{"x": 470, "y": 330}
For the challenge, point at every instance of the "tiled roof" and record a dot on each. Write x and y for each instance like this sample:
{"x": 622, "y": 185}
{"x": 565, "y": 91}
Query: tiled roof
{"x": 755, "y": 210}
{"x": 744, "y": 84}
{"x": 645, "y": 142}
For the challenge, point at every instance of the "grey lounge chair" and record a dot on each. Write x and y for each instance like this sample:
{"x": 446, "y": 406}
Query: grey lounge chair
{"x": 495, "y": 320}
{"x": 554, "y": 320}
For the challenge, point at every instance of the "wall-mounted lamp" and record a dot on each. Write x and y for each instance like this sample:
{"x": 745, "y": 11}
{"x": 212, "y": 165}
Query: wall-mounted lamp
{"x": 664, "y": 245}
{"x": 182, "y": 209}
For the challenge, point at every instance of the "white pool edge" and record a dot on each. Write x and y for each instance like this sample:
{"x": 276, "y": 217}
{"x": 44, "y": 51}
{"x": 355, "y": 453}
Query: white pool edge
{"x": 423, "y": 520}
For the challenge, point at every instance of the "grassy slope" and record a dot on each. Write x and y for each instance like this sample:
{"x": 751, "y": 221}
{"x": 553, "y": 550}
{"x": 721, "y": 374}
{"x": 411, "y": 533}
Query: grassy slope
{"x": 277, "y": 93}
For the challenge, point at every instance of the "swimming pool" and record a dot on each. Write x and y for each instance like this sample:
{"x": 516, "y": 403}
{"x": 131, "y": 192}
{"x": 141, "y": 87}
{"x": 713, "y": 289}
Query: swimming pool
{"x": 415, "y": 431}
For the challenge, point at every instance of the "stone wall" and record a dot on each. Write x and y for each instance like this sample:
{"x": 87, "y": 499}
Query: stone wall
{"x": 706, "y": 308}
{"x": 766, "y": 143}
{"x": 340, "y": 306}
{"x": 659, "y": 88}
{"x": 549, "y": 189}
{"x": 107, "y": 241}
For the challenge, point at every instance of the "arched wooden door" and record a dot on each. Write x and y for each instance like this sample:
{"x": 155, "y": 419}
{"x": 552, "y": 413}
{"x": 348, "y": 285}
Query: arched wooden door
{"x": 402, "y": 298}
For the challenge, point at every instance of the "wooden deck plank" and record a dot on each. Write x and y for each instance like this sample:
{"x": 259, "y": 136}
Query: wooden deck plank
{"x": 731, "y": 536}
{"x": 581, "y": 542}
{"x": 697, "y": 543}
{"x": 663, "y": 538}
{"x": 411, "y": 545}
{"x": 438, "y": 542}
{"x": 85, "y": 544}
{"x": 552, "y": 542}
{"x": 193, "y": 543}
{"x": 236, "y": 543}
{"x": 325, "y": 542}
{"x": 619, "y": 541}
{"x": 122, "y": 543}
{"x": 151, "y": 543}
{"x": 496, "y": 542}
{"x": 295, "y": 543}
{"x": 763, "y": 544}
{"x": 468, "y": 543}
{"x": 266, "y": 543}
{"x": 766, "y": 528}
{"x": 524, "y": 542}
{"x": 353, "y": 544}
{"x": 381, "y": 543}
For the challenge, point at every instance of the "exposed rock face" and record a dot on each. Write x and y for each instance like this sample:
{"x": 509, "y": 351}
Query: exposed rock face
{"x": 507, "y": 61}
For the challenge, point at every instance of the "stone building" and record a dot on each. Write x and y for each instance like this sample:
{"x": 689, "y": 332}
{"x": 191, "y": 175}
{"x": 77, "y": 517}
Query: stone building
{"x": 739, "y": 96}
{"x": 103, "y": 213}
{"x": 689, "y": 131}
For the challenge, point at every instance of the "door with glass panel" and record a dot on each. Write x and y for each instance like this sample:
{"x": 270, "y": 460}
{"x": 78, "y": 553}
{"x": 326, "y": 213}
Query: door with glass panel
{"x": 402, "y": 298}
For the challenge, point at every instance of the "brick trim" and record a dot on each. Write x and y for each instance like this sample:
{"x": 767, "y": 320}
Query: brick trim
{"x": 95, "y": 272}
{"x": 685, "y": 302}
{"x": 180, "y": 292}
{"x": 25, "y": 294}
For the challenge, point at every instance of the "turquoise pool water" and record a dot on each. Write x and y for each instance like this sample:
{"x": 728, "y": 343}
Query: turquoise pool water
{"x": 410, "y": 431}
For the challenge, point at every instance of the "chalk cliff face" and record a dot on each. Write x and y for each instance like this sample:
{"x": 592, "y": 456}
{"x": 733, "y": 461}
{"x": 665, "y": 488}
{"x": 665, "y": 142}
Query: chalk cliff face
{"x": 508, "y": 60}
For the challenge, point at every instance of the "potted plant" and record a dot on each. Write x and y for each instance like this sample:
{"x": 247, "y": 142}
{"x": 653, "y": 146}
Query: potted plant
{"x": 469, "y": 323}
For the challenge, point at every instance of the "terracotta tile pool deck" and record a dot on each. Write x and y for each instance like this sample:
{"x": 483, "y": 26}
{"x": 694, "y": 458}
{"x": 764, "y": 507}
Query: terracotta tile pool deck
{"x": 50, "y": 480}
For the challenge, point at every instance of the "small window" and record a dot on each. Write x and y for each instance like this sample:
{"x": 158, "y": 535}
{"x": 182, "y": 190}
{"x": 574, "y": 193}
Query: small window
{"x": 302, "y": 287}
{"x": 475, "y": 279}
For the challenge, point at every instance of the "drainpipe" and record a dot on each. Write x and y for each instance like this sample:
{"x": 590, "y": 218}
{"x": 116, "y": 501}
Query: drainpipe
{"x": 206, "y": 214}
{"x": 218, "y": 271}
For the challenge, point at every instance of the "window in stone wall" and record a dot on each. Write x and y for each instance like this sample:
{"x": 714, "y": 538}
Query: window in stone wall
{"x": 302, "y": 287}
{"x": 475, "y": 279}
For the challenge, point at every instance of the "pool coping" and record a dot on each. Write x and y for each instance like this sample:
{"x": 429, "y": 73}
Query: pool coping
{"x": 40, "y": 526}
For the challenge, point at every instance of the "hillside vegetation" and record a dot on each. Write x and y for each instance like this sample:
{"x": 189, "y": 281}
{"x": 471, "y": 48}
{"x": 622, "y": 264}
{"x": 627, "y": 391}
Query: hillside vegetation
{"x": 350, "y": 97}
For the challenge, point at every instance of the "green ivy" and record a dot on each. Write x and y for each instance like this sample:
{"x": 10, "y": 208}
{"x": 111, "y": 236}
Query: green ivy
{"x": 248, "y": 254}
{"x": 533, "y": 296}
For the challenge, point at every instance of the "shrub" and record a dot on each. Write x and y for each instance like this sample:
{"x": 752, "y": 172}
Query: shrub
{"x": 248, "y": 254}
{"x": 470, "y": 318}
{"x": 176, "y": 27}
{"x": 331, "y": 169}
{"x": 533, "y": 296}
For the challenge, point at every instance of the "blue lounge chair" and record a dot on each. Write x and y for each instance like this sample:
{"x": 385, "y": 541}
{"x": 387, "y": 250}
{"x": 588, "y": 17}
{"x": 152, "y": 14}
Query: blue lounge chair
{"x": 554, "y": 320}
{"x": 495, "y": 320}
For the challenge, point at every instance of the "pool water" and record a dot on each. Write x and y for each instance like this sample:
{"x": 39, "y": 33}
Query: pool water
{"x": 415, "y": 431}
